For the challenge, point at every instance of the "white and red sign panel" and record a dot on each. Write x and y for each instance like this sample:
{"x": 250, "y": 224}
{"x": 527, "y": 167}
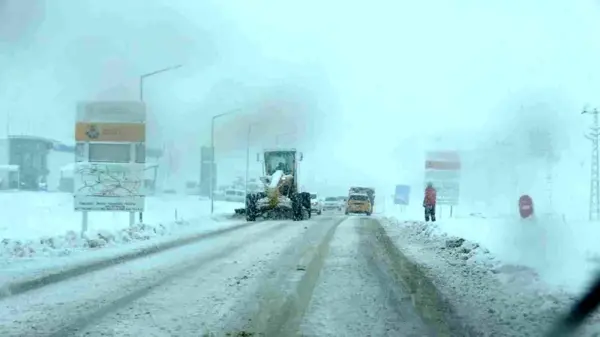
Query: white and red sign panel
{"x": 442, "y": 169}
{"x": 442, "y": 160}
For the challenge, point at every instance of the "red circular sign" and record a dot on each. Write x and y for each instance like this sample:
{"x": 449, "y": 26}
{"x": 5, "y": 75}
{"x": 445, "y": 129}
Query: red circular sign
{"x": 525, "y": 206}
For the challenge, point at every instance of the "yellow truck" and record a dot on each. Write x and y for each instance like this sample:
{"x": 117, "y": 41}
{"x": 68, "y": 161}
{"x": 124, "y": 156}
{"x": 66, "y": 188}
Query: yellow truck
{"x": 359, "y": 203}
{"x": 369, "y": 191}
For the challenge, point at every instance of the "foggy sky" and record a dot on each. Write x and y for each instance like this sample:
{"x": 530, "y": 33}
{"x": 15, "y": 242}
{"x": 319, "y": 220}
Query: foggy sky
{"x": 364, "y": 86}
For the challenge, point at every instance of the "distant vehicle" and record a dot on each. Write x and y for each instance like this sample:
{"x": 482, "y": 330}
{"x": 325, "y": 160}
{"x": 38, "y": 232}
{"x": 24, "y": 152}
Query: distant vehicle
{"x": 235, "y": 195}
{"x": 316, "y": 205}
{"x": 280, "y": 196}
{"x": 369, "y": 191}
{"x": 359, "y": 203}
{"x": 332, "y": 204}
{"x": 192, "y": 188}
{"x": 342, "y": 201}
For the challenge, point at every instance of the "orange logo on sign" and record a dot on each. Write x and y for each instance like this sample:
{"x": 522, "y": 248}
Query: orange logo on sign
{"x": 110, "y": 132}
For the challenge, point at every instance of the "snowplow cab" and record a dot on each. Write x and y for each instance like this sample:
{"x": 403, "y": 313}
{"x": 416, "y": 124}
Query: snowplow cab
{"x": 281, "y": 197}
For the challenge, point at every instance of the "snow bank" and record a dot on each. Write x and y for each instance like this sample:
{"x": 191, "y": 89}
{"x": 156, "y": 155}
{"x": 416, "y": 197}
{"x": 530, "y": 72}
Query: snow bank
{"x": 493, "y": 296}
{"x": 63, "y": 245}
{"x": 45, "y": 225}
{"x": 564, "y": 254}
{"x": 31, "y": 215}
{"x": 51, "y": 255}
{"x": 560, "y": 252}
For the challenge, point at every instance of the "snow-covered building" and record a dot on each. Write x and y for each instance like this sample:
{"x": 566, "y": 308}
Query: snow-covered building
{"x": 24, "y": 162}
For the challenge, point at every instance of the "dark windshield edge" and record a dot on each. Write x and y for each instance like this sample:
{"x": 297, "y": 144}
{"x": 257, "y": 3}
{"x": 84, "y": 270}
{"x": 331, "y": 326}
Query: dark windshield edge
{"x": 571, "y": 322}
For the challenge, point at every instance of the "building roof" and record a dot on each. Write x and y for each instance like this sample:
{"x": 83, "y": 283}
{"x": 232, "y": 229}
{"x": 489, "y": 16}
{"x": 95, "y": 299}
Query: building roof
{"x": 62, "y": 147}
{"x": 47, "y": 140}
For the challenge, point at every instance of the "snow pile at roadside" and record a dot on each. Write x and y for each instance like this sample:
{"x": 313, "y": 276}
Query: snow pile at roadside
{"x": 563, "y": 253}
{"x": 489, "y": 295}
{"x": 31, "y": 215}
{"x": 39, "y": 224}
{"x": 62, "y": 245}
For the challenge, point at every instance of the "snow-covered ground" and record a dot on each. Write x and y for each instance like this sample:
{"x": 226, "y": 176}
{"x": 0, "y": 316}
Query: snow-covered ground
{"x": 41, "y": 232}
{"x": 564, "y": 252}
{"x": 351, "y": 298}
{"x": 533, "y": 268}
{"x": 184, "y": 291}
{"x": 31, "y": 215}
{"x": 318, "y": 277}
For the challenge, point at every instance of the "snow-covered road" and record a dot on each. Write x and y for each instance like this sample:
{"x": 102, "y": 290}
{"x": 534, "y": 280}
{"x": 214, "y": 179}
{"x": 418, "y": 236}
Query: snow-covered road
{"x": 354, "y": 296}
{"x": 280, "y": 278}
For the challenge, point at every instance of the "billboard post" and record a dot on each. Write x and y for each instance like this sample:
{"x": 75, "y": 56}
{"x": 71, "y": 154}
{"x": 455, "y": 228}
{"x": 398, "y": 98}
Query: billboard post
{"x": 110, "y": 158}
{"x": 206, "y": 162}
{"x": 442, "y": 169}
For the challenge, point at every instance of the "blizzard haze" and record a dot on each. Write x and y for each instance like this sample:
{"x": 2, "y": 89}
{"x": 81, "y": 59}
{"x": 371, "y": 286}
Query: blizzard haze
{"x": 362, "y": 88}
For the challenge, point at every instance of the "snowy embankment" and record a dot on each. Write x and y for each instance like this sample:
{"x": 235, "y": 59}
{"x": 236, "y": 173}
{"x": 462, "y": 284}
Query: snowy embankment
{"x": 500, "y": 279}
{"x": 565, "y": 254}
{"x": 42, "y": 225}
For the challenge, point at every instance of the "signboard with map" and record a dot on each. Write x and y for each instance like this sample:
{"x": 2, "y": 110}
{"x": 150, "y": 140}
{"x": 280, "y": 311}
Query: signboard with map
{"x": 110, "y": 158}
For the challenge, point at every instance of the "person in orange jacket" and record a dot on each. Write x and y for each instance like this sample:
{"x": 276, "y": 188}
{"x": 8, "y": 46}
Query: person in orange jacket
{"x": 429, "y": 202}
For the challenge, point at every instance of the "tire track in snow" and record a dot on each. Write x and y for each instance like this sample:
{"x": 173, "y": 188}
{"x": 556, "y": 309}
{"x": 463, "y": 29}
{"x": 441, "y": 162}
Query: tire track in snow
{"x": 405, "y": 275}
{"x": 49, "y": 311}
{"x": 119, "y": 303}
{"x": 200, "y": 303}
{"x": 398, "y": 300}
{"x": 19, "y": 287}
{"x": 278, "y": 303}
{"x": 353, "y": 298}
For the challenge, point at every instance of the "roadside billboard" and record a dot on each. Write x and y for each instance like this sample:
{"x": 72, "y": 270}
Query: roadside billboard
{"x": 442, "y": 169}
{"x": 401, "y": 197}
{"x": 110, "y": 156}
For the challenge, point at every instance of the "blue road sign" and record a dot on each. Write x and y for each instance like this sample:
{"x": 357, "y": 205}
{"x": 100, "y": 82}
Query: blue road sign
{"x": 402, "y": 195}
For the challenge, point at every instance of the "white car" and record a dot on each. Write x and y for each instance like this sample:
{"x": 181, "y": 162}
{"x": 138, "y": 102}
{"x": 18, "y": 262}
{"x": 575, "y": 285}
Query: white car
{"x": 342, "y": 201}
{"x": 332, "y": 204}
{"x": 233, "y": 195}
{"x": 316, "y": 206}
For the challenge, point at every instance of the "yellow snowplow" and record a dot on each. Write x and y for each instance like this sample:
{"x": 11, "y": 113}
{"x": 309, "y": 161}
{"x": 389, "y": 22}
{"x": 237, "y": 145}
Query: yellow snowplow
{"x": 281, "y": 197}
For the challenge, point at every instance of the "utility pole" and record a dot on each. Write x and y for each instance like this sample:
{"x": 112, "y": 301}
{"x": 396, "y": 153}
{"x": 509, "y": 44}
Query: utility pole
{"x": 593, "y": 136}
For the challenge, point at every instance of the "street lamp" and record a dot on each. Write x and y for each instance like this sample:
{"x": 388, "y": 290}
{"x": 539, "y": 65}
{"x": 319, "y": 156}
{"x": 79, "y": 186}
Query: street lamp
{"x": 142, "y": 78}
{"x": 248, "y": 155}
{"x": 212, "y": 157}
{"x": 156, "y": 72}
